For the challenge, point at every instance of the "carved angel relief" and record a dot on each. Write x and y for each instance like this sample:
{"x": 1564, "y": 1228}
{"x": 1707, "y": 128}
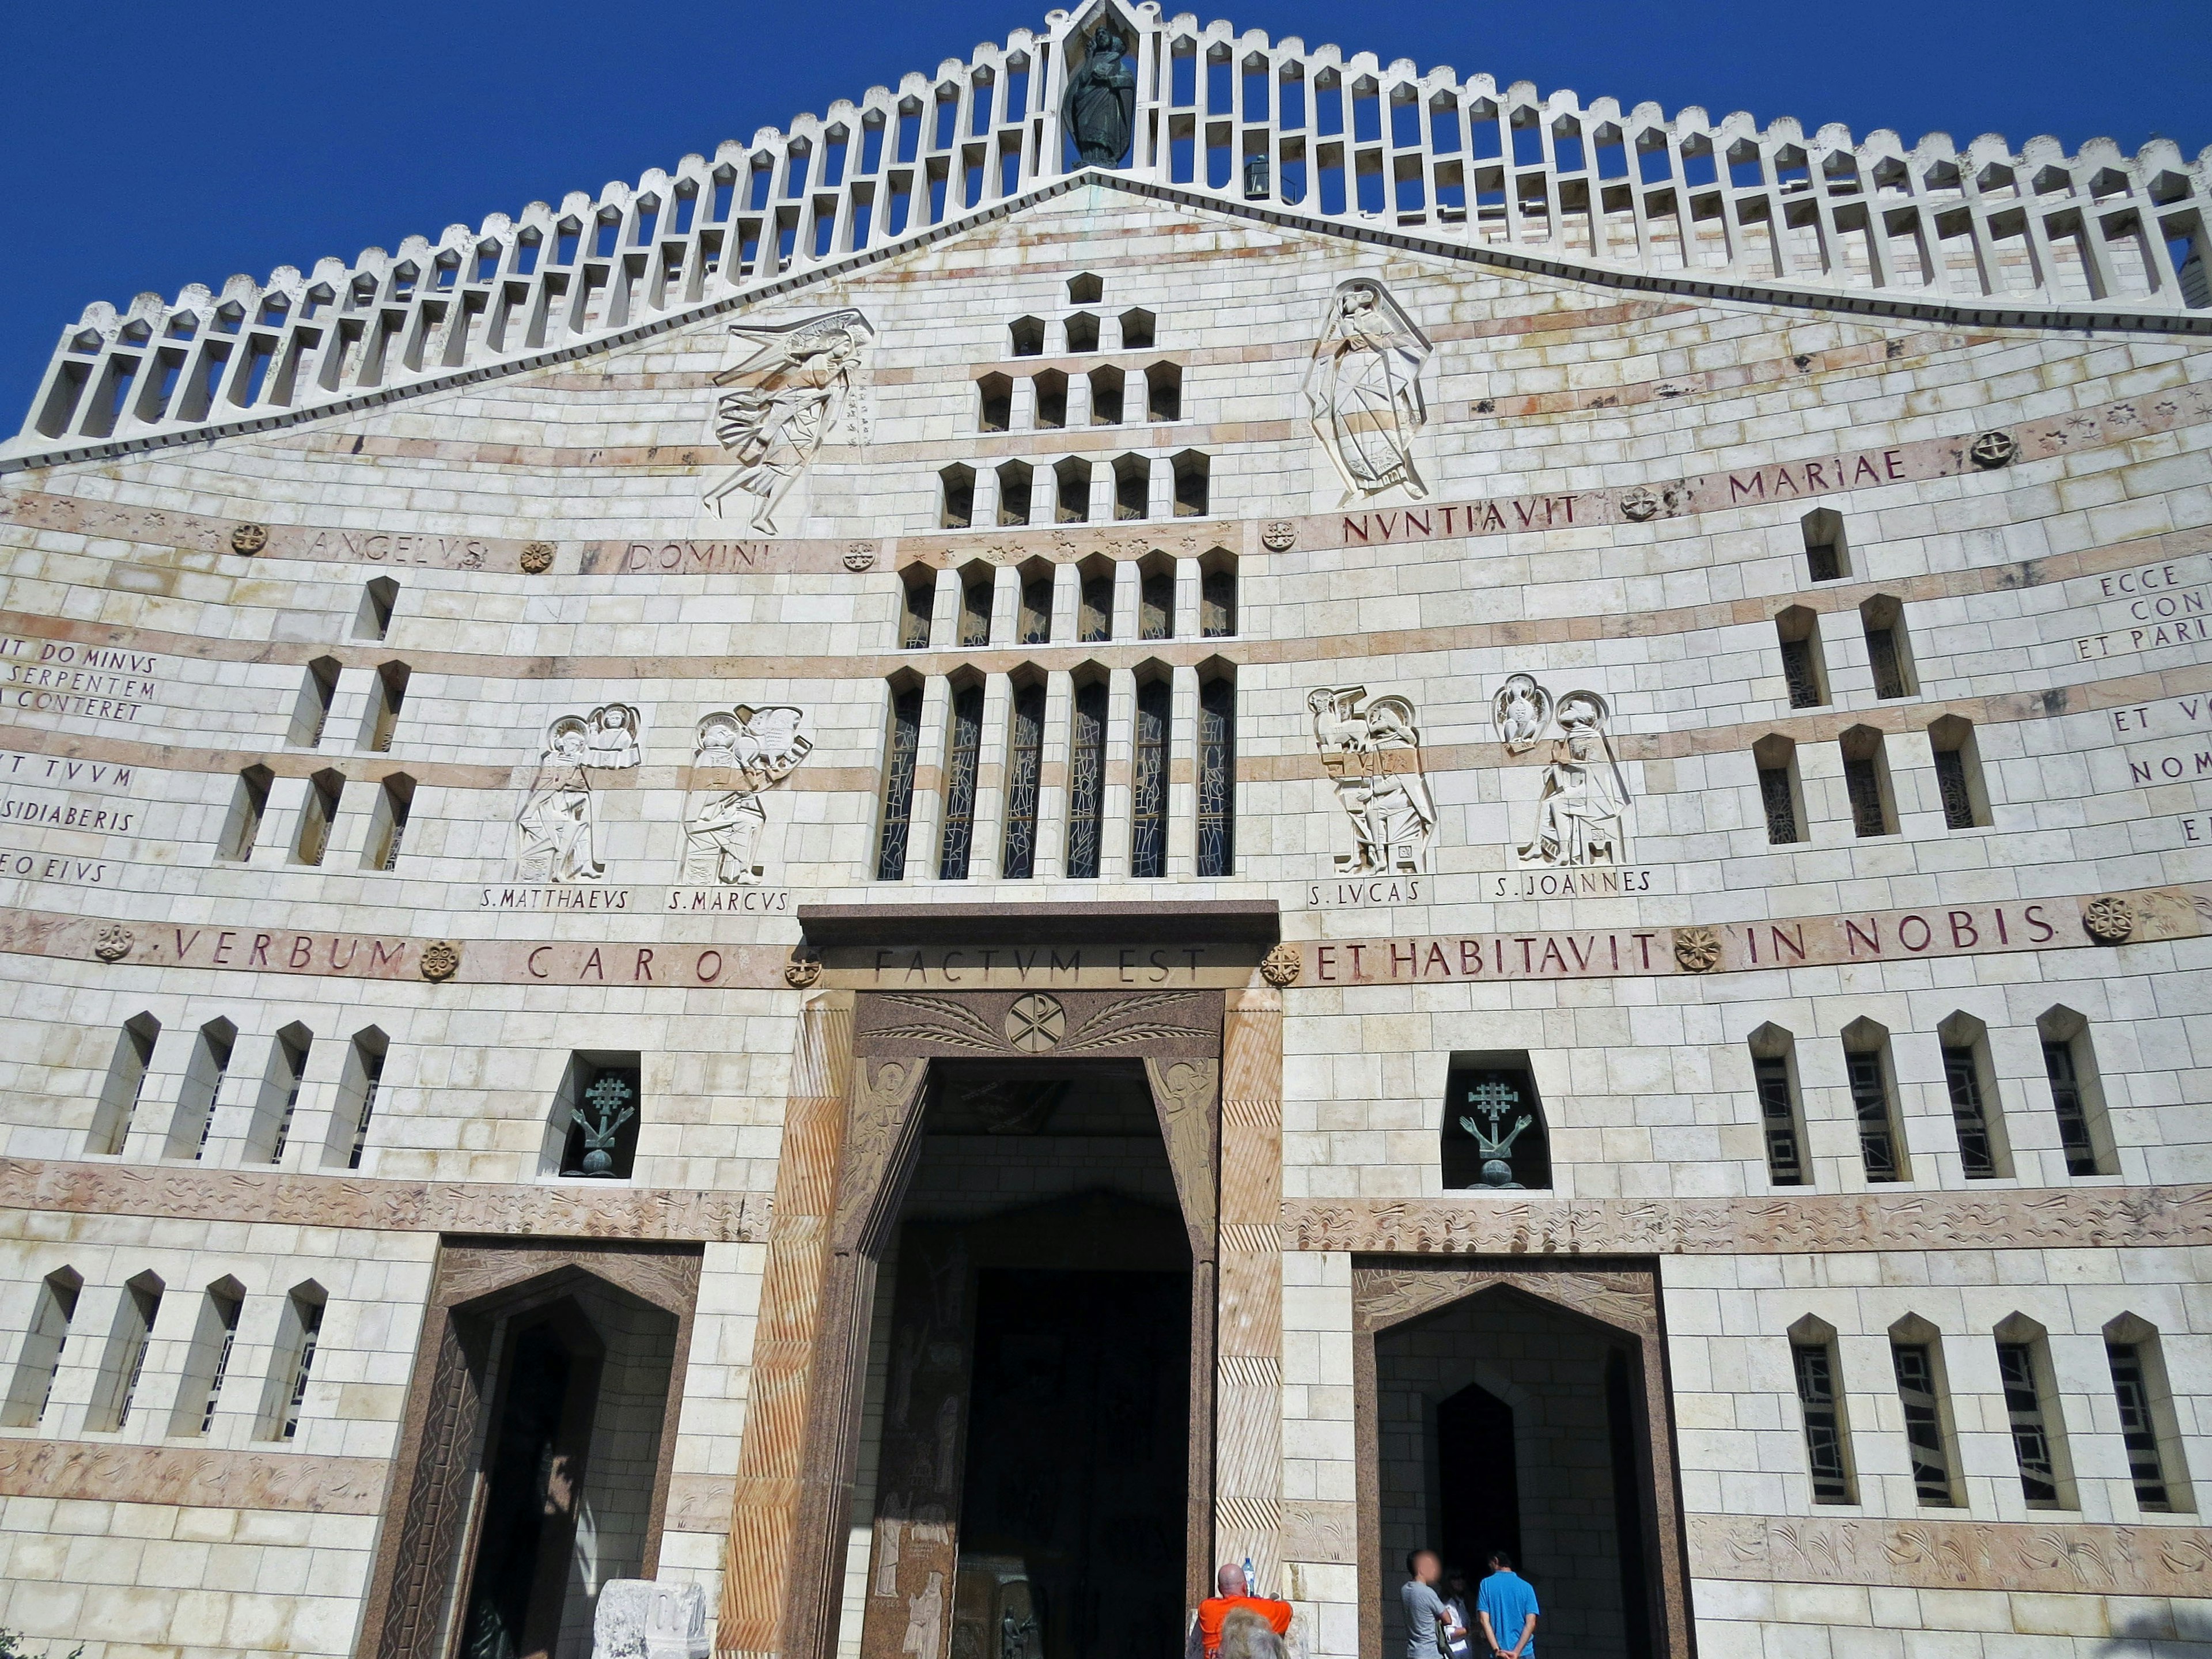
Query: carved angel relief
{"x": 557, "y": 829}
{"x": 741, "y": 755}
{"x": 1374, "y": 757}
{"x": 801, "y": 383}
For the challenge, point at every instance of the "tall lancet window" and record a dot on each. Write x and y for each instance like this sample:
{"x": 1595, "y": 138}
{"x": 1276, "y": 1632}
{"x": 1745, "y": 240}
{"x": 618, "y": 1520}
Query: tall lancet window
{"x": 1216, "y": 776}
{"x": 1087, "y": 780}
{"x": 898, "y": 783}
{"x": 1148, "y": 793}
{"x": 963, "y": 755}
{"x": 1024, "y": 765}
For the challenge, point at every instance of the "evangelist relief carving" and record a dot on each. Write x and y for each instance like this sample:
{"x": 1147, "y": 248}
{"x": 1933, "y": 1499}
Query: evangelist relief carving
{"x": 1373, "y": 756}
{"x": 745, "y": 753}
{"x": 1362, "y": 390}
{"x": 1583, "y": 813}
{"x": 798, "y": 386}
{"x": 557, "y": 829}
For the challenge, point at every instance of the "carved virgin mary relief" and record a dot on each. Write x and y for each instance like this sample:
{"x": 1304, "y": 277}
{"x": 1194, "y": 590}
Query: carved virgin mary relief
{"x": 556, "y": 831}
{"x": 741, "y": 755}
{"x": 1362, "y": 390}
{"x": 799, "y": 386}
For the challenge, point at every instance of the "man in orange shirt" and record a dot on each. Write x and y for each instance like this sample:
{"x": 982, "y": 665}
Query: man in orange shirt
{"x": 1205, "y": 1641}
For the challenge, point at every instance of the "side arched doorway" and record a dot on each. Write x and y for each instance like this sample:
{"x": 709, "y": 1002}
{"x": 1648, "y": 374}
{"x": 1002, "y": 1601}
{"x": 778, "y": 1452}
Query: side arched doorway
{"x": 1522, "y": 1407}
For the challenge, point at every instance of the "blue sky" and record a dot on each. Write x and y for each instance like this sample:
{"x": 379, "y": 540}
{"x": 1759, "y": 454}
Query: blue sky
{"x": 153, "y": 146}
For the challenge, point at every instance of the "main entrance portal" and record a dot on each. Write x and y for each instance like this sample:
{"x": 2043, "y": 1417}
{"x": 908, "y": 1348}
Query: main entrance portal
{"x": 1029, "y": 1397}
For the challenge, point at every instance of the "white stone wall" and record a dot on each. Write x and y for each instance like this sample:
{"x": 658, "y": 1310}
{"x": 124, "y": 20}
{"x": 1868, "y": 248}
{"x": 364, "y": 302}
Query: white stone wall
{"x": 1646, "y": 1080}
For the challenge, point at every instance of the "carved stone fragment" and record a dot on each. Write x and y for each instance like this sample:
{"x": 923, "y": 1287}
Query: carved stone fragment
{"x": 1698, "y": 949}
{"x": 113, "y": 942}
{"x": 1639, "y": 505}
{"x": 248, "y": 538}
{"x": 536, "y": 557}
{"x": 1280, "y": 536}
{"x": 1992, "y": 449}
{"x": 800, "y": 972}
{"x": 1282, "y": 965}
{"x": 2109, "y": 921}
{"x": 442, "y": 960}
{"x": 859, "y": 556}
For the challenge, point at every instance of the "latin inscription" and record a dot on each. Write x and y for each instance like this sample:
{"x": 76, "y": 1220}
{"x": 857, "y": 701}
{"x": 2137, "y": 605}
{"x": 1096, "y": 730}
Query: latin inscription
{"x": 279, "y": 952}
{"x": 55, "y": 867}
{"x": 2152, "y": 608}
{"x": 576, "y": 896}
{"x": 729, "y": 901}
{"x": 1043, "y": 964}
{"x": 678, "y": 558}
{"x": 84, "y": 682}
{"x": 386, "y": 547}
{"x": 2167, "y": 715}
{"x": 1366, "y": 893}
{"x": 1595, "y": 882}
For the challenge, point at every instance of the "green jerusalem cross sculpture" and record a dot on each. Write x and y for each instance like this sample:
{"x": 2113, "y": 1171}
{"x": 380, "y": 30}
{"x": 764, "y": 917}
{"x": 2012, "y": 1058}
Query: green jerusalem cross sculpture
{"x": 1492, "y": 1100}
{"x": 605, "y": 1095}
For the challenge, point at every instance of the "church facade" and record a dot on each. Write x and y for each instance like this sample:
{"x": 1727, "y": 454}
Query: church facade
{"x": 1172, "y": 800}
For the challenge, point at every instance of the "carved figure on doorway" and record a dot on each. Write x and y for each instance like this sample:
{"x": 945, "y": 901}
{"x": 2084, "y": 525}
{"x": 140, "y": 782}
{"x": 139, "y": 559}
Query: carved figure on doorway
{"x": 753, "y": 749}
{"x": 924, "y": 1621}
{"x": 1373, "y": 756}
{"x": 1582, "y": 816}
{"x": 556, "y": 828}
{"x": 1362, "y": 390}
{"x": 787, "y": 396}
{"x": 1098, "y": 111}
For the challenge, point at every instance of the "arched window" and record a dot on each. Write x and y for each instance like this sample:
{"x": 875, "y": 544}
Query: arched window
{"x": 388, "y": 825}
{"x": 917, "y": 599}
{"x": 1889, "y": 654}
{"x": 359, "y": 1085}
{"x": 1155, "y": 598}
{"x": 377, "y": 598}
{"x": 311, "y": 712}
{"x": 1094, "y": 615}
{"x": 249, "y": 804}
{"x": 1086, "y": 777}
{"x": 1216, "y": 595}
{"x": 318, "y": 815}
{"x": 964, "y": 758}
{"x": 1132, "y": 487}
{"x": 292, "y": 1362}
{"x": 1217, "y": 773}
{"x": 1073, "y": 485}
{"x": 1866, "y": 783}
{"x": 1148, "y": 782}
{"x": 902, "y": 745}
{"x": 957, "y": 508}
{"x": 388, "y": 694}
{"x": 1106, "y": 386}
{"x": 1033, "y": 618}
{"x": 1494, "y": 1132}
{"x": 1013, "y": 493}
{"x": 976, "y": 585}
{"x": 1959, "y": 772}
{"x": 1025, "y": 775}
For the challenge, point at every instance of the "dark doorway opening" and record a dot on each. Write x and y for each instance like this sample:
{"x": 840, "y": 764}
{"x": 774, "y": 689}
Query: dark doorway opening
{"x": 1480, "y": 1481}
{"x": 1078, "y": 1438}
{"x": 1502, "y": 1420}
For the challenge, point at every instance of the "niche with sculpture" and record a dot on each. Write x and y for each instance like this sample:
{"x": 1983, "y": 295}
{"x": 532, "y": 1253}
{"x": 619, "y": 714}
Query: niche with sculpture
{"x": 1494, "y": 1135}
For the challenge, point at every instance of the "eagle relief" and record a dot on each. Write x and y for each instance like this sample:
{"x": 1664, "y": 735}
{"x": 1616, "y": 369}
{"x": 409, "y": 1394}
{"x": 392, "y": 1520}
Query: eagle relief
{"x": 1581, "y": 830}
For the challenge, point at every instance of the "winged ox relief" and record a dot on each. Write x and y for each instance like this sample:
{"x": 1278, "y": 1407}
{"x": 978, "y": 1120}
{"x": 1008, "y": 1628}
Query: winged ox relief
{"x": 799, "y": 384}
{"x": 1373, "y": 756}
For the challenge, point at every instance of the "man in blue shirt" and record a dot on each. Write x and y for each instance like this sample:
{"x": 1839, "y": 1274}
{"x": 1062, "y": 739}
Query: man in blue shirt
{"x": 1507, "y": 1607}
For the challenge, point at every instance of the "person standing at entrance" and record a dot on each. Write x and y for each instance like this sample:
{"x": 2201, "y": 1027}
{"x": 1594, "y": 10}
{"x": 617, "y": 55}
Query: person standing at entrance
{"x": 1506, "y": 1606}
{"x": 1235, "y": 1594}
{"x": 1426, "y": 1615}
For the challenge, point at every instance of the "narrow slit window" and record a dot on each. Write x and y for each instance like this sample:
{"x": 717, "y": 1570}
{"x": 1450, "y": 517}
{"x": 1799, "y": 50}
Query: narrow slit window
{"x": 1959, "y": 781}
{"x": 125, "y": 1087}
{"x": 280, "y": 1094}
{"x": 900, "y": 752}
{"x": 1779, "y": 1119}
{"x": 301, "y": 1335}
{"x": 1820, "y": 1399}
{"x": 1086, "y": 780}
{"x": 1888, "y": 655}
{"x": 360, "y": 1083}
{"x": 1780, "y": 796}
{"x": 125, "y": 1366}
{"x": 1156, "y": 605}
{"x": 32, "y": 1388}
{"x": 1148, "y": 791}
{"x": 1217, "y": 777}
{"x": 975, "y": 611}
{"x": 377, "y": 598}
{"x": 311, "y": 712}
{"x": 1217, "y": 602}
{"x": 395, "y": 802}
{"x": 962, "y": 757}
{"x": 1024, "y": 773}
{"x": 2070, "y": 1101}
{"x": 203, "y": 1090}
{"x": 1033, "y": 625}
{"x": 1925, "y": 1441}
{"x": 318, "y": 813}
{"x": 1962, "y": 1080}
{"x": 2149, "y": 1428}
{"x": 1872, "y": 1104}
{"x": 1094, "y": 621}
{"x": 249, "y": 804}
{"x": 2027, "y": 1411}
{"x": 1826, "y": 557}
{"x": 1803, "y": 672}
{"x": 1866, "y": 783}
{"x": 199, "y": 1392}
{"x": 386, "y": 695}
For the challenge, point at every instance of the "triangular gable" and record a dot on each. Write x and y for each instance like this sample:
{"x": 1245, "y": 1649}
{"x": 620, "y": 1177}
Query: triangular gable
{"x": 1223, "y": 122}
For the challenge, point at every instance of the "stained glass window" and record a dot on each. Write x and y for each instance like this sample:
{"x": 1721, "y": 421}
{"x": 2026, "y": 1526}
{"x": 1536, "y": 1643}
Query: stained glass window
{"x": 963, "y": 755}
{"x": 1024, "y": 764}
{"x": 1148, "y": 805}
{"x": 898, "y": 784}
{"x": 1087, "y": 780}
{"x": 1216, "y": 778}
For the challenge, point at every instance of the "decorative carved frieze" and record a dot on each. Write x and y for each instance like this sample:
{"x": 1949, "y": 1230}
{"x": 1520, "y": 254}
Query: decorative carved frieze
{"x": 409, "y": 1206}
{"x": 2044, "y": 1218}
{"x": 2046, "y": 1557}
{"x": 192, "y": 1477}
{"x": 1067, "y": 1024}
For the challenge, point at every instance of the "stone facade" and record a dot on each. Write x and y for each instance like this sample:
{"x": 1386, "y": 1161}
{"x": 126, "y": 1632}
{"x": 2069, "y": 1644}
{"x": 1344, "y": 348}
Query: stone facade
{"x": 1720, "y": 653}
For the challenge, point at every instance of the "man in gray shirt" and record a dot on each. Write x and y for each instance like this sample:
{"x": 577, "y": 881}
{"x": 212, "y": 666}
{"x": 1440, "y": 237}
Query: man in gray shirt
{"x": 1424, "y": 1607}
